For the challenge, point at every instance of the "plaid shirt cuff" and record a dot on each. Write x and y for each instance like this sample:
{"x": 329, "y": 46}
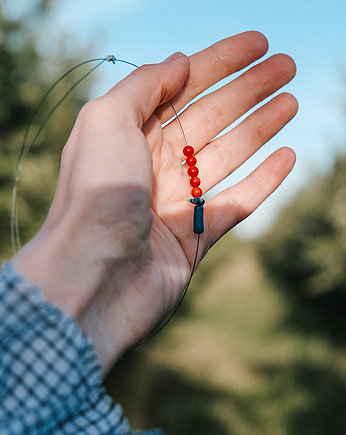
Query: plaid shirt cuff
{"x": 50, "y": 378}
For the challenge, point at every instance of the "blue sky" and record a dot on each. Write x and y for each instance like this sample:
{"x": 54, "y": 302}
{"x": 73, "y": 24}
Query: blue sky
{"x": 313, "y": 33}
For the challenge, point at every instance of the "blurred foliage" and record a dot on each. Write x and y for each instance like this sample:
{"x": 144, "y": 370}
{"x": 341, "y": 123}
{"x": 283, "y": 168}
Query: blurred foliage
{"x": 305, "y": 252}
{"x": 25, "y": 75}
{"x": 228, "y": 363}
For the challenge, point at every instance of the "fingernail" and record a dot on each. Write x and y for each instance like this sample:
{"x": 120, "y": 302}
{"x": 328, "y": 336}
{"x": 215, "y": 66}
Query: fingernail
{"x": 174, "y": 56}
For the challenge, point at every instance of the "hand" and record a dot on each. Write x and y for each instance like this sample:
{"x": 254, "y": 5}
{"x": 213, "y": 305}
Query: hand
{"x": 117, "y": 247}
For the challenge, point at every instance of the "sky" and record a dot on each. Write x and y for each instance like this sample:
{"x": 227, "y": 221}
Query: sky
{"x": 145, "y": 31}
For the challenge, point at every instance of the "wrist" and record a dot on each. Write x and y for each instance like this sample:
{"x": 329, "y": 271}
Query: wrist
{"x": 50, "y": 263}
{"x": 84, "y": 262}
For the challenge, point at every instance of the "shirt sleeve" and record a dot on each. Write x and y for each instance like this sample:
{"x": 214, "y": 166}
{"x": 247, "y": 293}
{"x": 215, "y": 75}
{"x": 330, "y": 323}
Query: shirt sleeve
{"x": 50, "y": 377}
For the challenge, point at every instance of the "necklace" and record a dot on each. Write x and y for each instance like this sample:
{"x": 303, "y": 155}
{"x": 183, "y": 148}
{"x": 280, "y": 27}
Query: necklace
{"x": 188, "y": 158}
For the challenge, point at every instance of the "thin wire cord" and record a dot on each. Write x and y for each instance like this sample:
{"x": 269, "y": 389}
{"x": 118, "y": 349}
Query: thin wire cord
{"x": 49, "y": 91}
{"x": 160, "y": 328}
{"x": 164, "y": 324}
{"x": 127, "y": 62}
{"x": 25, "y": 149}
{"x": 180, "y": 124}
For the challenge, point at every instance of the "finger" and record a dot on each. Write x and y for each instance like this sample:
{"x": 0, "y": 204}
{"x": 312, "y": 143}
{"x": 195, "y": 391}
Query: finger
{"x": 139, "y": 94}
{"x": 219, "y": 109}
{"x": 233, "y": 205}
{"x": 225, "y": 154}
{"x": 214, "y": 63}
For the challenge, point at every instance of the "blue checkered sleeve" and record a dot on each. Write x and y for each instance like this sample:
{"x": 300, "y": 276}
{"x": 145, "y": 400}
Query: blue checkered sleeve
{"x": 50, "y": 379}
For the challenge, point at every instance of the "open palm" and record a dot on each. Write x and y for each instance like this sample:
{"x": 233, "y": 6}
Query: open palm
{"x": 119, "y": 232}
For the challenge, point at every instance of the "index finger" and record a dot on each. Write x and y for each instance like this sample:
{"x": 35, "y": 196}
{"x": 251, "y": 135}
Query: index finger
{"x": 213, "y": 64}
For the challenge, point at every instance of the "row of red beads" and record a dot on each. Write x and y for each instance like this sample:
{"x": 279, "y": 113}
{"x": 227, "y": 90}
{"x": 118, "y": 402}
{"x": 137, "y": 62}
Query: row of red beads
{"x": 193, "y": 171}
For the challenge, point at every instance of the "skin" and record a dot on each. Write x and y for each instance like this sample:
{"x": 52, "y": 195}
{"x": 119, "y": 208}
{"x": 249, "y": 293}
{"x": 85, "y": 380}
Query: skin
{"x": 117, "y": 247}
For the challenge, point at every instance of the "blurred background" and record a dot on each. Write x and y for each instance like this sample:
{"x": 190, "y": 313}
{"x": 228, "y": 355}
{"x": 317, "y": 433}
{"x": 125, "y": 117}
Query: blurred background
{"x": 259, "y": 344}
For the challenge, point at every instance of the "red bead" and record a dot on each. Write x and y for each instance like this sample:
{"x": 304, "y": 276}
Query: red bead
{"x": 188, "y": 151}
{"x": 191, "y": 160}
{"x": 195, "y": 181}
{"x": 193, "y": 171}
{"x": 196, "y": 192}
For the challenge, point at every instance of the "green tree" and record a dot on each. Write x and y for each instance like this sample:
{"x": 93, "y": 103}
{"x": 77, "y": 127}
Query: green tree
{"x": 24, "y": 77}
{"x": 305, "y": 252}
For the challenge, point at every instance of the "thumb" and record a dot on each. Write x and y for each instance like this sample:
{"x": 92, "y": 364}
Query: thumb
{"x": 149, "y": 86}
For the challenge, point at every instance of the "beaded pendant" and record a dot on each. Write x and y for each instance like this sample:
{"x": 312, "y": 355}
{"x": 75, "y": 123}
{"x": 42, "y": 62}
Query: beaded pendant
{"x": 193, "y": 171}
{"x": 196, "y": 192}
